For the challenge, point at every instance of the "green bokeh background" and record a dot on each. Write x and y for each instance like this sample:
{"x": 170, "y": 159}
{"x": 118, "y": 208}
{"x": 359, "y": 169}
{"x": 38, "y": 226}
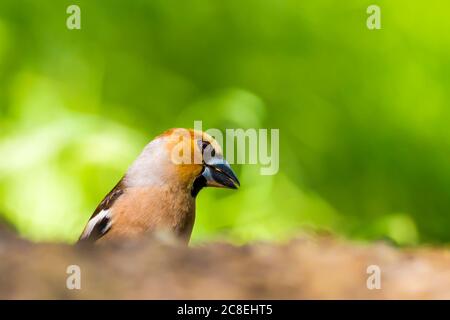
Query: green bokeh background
{"x": 363, "y": 115}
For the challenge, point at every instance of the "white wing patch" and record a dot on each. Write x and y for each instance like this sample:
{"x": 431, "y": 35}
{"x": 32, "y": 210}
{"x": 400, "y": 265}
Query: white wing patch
{"x": 102, "y": 217}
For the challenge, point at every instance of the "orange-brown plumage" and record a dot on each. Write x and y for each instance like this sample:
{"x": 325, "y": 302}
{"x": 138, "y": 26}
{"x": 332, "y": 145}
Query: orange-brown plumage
{"x": 158, "y": 191}
{"x": 144, "y": 209}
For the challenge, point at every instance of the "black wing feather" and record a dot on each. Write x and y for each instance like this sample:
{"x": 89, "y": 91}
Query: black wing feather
{"x": 101, "y": 227}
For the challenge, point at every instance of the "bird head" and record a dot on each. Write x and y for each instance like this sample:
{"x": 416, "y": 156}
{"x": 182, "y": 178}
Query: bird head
{"x": 185, "y": 157}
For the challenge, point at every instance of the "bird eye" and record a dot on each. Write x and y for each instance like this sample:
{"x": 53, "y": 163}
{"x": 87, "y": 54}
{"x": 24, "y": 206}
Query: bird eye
{"x": 205, "y": 145}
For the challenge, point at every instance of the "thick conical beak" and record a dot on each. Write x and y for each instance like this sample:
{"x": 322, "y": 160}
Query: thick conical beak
{"x": 218, "y": 173}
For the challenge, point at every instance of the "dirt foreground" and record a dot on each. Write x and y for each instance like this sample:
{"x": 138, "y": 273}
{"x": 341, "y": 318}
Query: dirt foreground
{"x": 305, "y": 268}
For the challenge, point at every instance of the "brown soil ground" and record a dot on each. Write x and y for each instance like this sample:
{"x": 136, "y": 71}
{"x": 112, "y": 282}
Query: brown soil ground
{"x": 305, "y": 268}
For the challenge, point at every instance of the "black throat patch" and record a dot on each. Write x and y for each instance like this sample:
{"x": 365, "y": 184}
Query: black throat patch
{"x": 199, "y": 184}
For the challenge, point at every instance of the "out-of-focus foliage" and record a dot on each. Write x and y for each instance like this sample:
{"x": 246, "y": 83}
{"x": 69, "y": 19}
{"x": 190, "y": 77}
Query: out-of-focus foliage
{"x": 363, "y": 115}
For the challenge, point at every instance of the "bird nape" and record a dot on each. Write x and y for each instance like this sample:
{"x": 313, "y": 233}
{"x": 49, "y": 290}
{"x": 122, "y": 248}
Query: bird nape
{"x": 158, "y": 191}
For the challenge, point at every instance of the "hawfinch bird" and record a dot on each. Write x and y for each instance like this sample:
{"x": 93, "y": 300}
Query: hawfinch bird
{"x": 158, "y": 191}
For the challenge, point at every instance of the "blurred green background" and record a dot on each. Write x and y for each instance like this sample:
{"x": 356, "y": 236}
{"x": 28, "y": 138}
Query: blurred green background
{"x": 363, "y": 115}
